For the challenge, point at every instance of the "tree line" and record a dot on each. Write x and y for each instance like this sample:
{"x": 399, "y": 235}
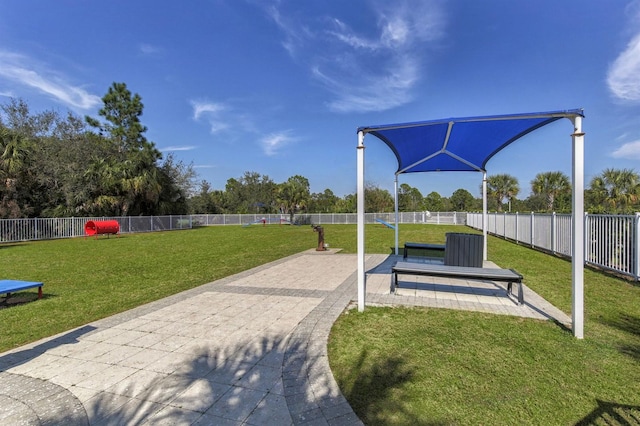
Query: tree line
{"x": 54, "y": 165}
{"x": 614, "y": 191}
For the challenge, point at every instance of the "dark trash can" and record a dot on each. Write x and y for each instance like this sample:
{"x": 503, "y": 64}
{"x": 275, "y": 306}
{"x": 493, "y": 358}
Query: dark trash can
{"x": 463, "y": 250}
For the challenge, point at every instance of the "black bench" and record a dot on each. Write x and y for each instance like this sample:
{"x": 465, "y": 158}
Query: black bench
{"x": 463, "y": 272}
{"x": 11, "y": 286}
{"x": 421, "y": 247}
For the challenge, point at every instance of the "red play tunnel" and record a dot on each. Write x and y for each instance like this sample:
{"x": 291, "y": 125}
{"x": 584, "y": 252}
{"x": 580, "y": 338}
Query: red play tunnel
{"x": 97, "y": 227}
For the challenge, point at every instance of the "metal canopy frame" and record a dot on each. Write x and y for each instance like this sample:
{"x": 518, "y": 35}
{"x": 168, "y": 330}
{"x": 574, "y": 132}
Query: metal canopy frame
{"x": 430, "y": 146}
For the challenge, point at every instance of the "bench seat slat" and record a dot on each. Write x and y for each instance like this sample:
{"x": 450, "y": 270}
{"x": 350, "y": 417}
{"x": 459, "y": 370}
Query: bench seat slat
{"x": 427, "y": 246}
{"x": 422, "y": 247}
{"x": 492, "y": 274}
{"x": 445, "y": 271}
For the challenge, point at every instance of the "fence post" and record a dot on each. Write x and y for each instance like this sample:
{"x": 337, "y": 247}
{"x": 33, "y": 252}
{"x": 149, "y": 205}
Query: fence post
{"x": 636, "y": 245}
{"x": 516, "y": 230}
{"x": 532, "y": 229}
{"x": 553, "y": 232}
{"x": 586, "y": 237}
{"x": 504, "y": 226}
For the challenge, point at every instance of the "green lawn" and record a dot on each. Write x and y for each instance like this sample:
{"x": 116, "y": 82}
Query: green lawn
{"x": 395, "y": 365}
{"x": 400, "y": 366}
{"x": 87, "y": 279}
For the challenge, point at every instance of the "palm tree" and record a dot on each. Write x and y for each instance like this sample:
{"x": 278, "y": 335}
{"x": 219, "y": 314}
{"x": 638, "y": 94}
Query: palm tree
{"x": 550, "y": 185}
{"x": 502, "y": 186}
{"x": 14, "y": 150}
{"x": 617, "y": 189}
{"x": 104, "y": 194}
{"x": 293, "y": 195}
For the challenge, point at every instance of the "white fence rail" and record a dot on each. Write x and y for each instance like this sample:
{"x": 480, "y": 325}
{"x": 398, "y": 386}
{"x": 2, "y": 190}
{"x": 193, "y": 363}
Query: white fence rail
{"x": 441, "y": 218}
{"x": 611, "y": 241}
{"x": 16, "y": 230}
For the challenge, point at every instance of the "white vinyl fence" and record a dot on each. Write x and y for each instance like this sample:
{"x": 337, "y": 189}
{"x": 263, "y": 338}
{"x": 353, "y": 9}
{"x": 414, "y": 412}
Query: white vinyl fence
{"x": 15, "y": 230}
{"x": 441, "y": 218}
{"x": 611, "y": 241}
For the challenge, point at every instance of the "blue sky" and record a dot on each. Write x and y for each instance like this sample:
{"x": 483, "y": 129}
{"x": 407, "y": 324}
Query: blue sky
{"x": 280, "y": 87}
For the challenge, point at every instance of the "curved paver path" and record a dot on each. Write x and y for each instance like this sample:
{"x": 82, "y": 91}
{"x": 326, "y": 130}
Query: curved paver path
{"x": 248, "y": 349}
{"x": 25, "y": 401}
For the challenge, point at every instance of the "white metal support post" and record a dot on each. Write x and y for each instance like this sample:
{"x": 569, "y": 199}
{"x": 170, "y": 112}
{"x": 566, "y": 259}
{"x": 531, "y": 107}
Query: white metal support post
{"x": 360, "y": 230}
{"x": 485, "y": 218}
{"x": 396, "y": 210}
{"x": 577, "y": 245}
{"x": 636, "y": 266}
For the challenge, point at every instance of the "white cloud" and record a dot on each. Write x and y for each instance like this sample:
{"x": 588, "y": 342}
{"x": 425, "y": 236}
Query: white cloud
{"x": 211, "y": 112}
{"x": 628, "y": 151}
{"x": 379, "y": 92}
{"x": 237, "y": 126}
{"x": 395, "y": 32}
{"x": 274, "y": 142}
{"x": 623, "y": 77}
{"x": 369, "y": 68}
{"x": 149, "y": 49}
{"x": 622, "y": 136}
{"x": 19, "y": 69}
{"x": 200, "y": 108}
{"x": 345, "y": 35}
{"x": 178, "y": 148}
{"x": 411, "y": 21}
{"x": 293, "y": 35}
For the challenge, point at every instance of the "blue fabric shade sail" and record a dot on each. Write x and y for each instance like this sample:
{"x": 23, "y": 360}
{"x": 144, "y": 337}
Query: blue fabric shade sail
{"x": 458, "y": 144}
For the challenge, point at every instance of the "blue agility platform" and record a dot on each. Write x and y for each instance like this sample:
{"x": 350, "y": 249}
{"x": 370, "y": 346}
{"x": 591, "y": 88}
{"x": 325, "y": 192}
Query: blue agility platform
{"x": 387, "y": 224}
{"x": 10, "y": 286}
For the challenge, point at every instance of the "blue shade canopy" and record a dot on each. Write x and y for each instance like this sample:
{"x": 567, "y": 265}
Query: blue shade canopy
{"x": 458, "y": 144}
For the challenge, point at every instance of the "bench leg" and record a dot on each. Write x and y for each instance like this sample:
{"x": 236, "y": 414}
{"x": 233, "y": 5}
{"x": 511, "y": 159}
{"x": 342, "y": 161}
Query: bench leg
{"x": 520, "y": 294}
{"x": 393, "y": 283}
{"x": 40, "y": 292}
